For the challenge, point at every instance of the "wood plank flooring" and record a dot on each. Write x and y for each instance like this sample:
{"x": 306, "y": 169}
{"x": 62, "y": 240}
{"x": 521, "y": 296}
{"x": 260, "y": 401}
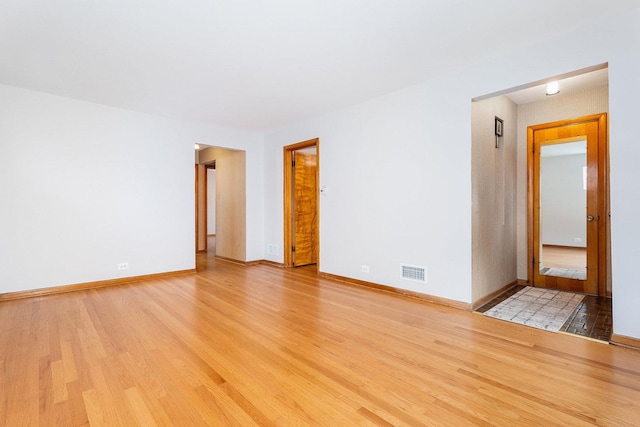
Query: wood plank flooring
{"x": 564, "y": 257}
{"x": 259, "y": 345}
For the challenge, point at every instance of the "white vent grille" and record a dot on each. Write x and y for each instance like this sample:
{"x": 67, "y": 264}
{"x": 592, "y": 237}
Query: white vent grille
{"x": 411, "y": 272}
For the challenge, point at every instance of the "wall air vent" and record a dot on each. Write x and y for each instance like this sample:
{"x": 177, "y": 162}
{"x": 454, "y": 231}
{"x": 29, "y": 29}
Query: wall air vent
{"x": 411, "y": 272}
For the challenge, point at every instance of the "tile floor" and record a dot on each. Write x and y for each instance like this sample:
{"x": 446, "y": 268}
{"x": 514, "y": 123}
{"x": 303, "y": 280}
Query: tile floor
{"x": 592, "y": 318}
{"x": 580, "y": 274}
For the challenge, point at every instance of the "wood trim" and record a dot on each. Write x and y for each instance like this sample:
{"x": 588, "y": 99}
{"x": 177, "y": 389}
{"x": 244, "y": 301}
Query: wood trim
{"x": 287, "y": 182}
{"x": 568, "y": 122}
{"x": 251, "y": 263}
{"x": 530, "y": 181}
{"x": 205, "y": 202}
{"x": 201, "y": 208}
{"x": 90, "y": 285}
{"x": 625, "y": 341}
{"x": 403, "y": 292}
{"x": 603, "y": 204}
{"x": 270, "y": 263}
{"x": 523, "y": 282}
{"x": 195, "y": 205}
{"x": 485, "y": 299}
{"x": 205, "y": 210}
{"x": 235, "y": 261}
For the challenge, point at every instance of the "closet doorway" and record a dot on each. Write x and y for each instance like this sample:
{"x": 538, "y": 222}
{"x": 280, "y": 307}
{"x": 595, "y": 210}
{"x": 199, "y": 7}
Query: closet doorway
{"x": 301, "y": 204}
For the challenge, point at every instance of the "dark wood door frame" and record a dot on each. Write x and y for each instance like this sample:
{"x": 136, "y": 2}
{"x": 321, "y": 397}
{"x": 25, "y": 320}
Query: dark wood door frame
{"x": 202, "y": 205}
{"x": 602, "y": 198}
{"x": 288, "y": 205}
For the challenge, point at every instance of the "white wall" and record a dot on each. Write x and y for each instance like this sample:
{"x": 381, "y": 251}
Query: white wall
{"x": 398, "y": 168}
{"x": 398, "y": 179}
{"x": 493, "y": 196}
{"x": 563, "y": 200}
{"x": 84, "y": 187}
{"x": 624, "y": 93}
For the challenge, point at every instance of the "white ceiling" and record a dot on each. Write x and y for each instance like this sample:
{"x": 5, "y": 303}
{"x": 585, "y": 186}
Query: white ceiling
{"x": 260, "y": 64}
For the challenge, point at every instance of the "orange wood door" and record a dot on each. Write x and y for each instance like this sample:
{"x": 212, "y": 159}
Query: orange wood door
{"x": 201, "y": 208}
{"x": 591, "y": 279}
{"x": 305, "y": 209}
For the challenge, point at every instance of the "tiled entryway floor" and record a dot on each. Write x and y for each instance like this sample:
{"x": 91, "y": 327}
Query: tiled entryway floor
{"x": 592, "y": 318}
{"x": 580, "y": 274}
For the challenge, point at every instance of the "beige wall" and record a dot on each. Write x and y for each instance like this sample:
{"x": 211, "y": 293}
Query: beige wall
{"x": 230, "y": 201}
{"x": 554, "y": 108}
{"x": 211, "y": 201}
{"x": 493, "y": 174}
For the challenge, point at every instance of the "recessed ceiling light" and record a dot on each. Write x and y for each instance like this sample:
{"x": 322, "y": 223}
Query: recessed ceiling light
{"x": 553, "y": 88}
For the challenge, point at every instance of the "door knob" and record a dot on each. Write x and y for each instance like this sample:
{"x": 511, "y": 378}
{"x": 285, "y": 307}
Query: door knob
{"x": 590, "y": 218}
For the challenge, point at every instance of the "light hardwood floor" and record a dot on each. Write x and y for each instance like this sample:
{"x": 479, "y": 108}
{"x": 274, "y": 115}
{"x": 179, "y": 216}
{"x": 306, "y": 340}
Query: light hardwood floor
{"x": 259, "y": 345}
{"x": 564, "y": 257}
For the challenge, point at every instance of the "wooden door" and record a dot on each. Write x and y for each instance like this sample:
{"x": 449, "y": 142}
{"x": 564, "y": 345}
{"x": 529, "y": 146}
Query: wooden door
{"x": 305, "y": 208}
{"x": 310, "y": 206}
{"x": 568, "y": 204}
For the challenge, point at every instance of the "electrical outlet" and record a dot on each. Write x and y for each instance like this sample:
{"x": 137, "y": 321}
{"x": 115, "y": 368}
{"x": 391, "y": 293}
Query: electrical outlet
{"x": 123, "y": 266}
{"x": 577, "y": 240}
{"x": 365, "y": 268}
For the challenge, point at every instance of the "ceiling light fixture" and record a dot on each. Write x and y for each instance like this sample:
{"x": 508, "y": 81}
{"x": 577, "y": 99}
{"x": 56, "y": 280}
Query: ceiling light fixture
{"x": 553, "y": 88}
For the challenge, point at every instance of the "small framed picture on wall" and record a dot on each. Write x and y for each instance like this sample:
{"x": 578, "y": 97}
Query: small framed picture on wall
{"x": 499, "y": 125}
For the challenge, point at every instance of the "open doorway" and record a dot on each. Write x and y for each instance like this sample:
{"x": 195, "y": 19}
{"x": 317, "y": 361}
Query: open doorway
{"x": 229, "y": 168}
{"x": 205, "y": 190}
{"x": 582, "y": 93}
{"x": 301, "y": 204}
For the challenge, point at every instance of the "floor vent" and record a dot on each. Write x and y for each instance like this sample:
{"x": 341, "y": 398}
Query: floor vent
{"x": 418, "y": 274}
